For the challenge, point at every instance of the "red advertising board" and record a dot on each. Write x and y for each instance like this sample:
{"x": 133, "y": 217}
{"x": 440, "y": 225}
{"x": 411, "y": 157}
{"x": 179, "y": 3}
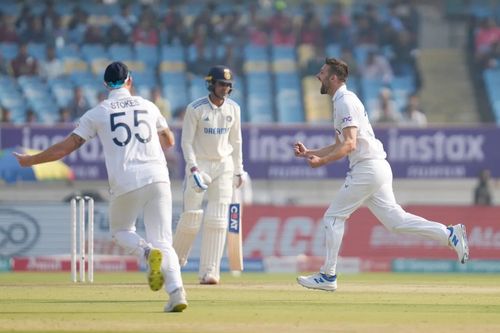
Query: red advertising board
{"x": 292, "y": 231}
{"x": 58, "y": 263}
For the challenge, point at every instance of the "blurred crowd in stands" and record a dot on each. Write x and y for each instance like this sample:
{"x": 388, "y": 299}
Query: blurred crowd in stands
{"x": 52, "y": 54}
{"x": 483, "y": 50}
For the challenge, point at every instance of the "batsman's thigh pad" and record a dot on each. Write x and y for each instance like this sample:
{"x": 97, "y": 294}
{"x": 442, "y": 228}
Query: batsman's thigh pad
{"x": 213, "y": 238}
{"x": 192, "y": 200}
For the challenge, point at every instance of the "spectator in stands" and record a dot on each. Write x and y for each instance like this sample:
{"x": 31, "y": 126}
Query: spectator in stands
{"x": 371, "y": 13}
{"x": 410, "y": 17}
{"x": 6, "y": 116}
{"x": 50, "y": 18}
{"x": 348, "y": 57}
{"x": 5, "y": 68}
{"x": 35, "y": 32}
{"x": 31, "y": 117}
{"x": 146, "y": 33}
{"x": 172, "y": 30}
{"x": 412, "y": 114}
{"x": 232, "y": 30}
{"x": 65, "y": 115}
{"x": 204, "y": 23}
{"x": 284, "y": 34}
{"x": 404, "y": 61}
{"x": 126, "y": 20}
{"x": 78, "y": 104}
{"x": 492, "y": 58}
{"x": 257, "y": 33}
{"x": 487, "y": 34}
{"x": 93, "y": 34}
{"x": 482, "y": 191}
{"x": 337, "y": 30}
{"x": 116, "y": 36}
{"x": 231, "y": 58}
{"x": 386, "y": 113}
{"x": 23, "y": 19}
{"x": 315, "y": 62}
{"x": 308, "y": 33}
{"x": 201, "y": 60}
{"x": 162, "y": 103}
{"x": 8, "y": 31}
{"x": 77, "y": 26}
{"x": 52, "y": 67}
{"x": 365, "y": 33}
{"x": 23, "y": 63}
{"x": 59, "y": 35}
{"x": 394, "y": 18}
{"x": 376, "y": 67}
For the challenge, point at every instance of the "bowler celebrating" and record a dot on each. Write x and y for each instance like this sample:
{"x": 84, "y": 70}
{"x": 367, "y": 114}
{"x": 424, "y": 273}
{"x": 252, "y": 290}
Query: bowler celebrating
{"x": 369, "y": 180}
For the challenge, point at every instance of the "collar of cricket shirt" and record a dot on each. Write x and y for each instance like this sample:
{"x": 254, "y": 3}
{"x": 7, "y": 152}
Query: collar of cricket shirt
{"x": 119, "y": 93}
{"x": 342, "y": 89}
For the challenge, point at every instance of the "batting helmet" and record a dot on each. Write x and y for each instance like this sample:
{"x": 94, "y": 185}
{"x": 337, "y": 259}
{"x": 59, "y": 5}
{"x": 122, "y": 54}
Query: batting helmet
{"x": 218, "y": 73}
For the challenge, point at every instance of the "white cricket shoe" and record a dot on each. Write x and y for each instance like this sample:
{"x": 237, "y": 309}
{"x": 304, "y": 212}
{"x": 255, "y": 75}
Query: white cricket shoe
{"x": 155, "y": 276}
{"x": 319, "y": 281}
{"x": 209, "y": 278}
{"x": 458, "y": 241}
{"x": 177, "y": 301}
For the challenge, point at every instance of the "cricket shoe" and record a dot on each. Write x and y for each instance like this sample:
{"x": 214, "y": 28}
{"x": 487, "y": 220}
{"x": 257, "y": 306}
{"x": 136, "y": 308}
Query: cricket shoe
{"x": 209, "y": 278}
{"x": 177, "y": 301}
{"x": 319, "y": 281}
{"x": 155, "y": 276}
{"x": 458, "y": 241}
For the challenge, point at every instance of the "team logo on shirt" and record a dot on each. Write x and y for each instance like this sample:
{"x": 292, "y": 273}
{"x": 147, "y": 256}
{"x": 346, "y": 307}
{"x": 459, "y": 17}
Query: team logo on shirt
{"x": 229, "y": 119}
{"x": 346, "y": 119}
{"x": 206, "y": 118}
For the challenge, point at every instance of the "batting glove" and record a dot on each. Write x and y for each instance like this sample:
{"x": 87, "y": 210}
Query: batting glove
{"x": 200, "y": 180}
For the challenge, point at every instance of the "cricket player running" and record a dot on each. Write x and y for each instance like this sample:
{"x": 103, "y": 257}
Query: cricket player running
{"x": 133, "y": 134}
{"x": 368, "y": 181}
{"x": 211, "y": 144}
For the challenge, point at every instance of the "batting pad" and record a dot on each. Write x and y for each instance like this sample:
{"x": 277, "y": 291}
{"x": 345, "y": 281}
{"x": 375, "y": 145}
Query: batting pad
{"x": 213, "y": 239}
{"x": 185, "y": 234}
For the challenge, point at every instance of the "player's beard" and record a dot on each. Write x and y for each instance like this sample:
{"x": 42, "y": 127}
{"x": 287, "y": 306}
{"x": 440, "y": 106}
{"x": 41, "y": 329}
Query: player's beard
{"x": 324, "y": 89}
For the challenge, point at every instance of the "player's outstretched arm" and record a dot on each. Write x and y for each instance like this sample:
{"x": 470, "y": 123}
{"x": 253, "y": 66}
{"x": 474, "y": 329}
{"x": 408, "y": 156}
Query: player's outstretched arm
{"x": 167, "y": 138}
{"x": 53, "y": 153}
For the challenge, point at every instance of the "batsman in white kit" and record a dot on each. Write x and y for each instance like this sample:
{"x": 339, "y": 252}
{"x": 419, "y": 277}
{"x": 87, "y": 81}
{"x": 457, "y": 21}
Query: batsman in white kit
{"x": 211, "y": 144}
{"x": 368, "y": 181}
{"x": 133, "y": 134}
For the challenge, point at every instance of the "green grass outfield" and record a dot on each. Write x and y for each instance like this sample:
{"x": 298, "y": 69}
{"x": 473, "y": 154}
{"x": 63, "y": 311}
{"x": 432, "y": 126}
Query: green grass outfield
{"x": 375, "y": 302}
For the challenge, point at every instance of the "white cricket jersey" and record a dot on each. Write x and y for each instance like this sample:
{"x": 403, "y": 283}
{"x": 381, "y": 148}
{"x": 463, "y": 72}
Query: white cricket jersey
{"x": 128, "y": 129}
{"x": 212, "y": 133}
{"x": 348, "y": 111}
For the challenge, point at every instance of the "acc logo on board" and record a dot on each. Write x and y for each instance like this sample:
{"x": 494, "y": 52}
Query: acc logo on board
{"x": 18, "y": 232}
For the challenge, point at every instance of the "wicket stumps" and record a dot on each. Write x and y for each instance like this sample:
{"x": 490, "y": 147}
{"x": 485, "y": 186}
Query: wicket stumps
{"x": 81, "y": 218}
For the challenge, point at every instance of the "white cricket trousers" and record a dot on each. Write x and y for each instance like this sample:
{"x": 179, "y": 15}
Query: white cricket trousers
{"x": 155, "y": 200}
{"x": 370, "y": 182}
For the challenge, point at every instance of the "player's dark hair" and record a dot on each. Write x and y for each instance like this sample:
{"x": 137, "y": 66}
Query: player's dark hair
{"x": 337, "y": 67}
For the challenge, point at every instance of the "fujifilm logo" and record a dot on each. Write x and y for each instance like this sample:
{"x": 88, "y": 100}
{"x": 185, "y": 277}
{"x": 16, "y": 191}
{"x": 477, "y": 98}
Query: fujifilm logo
{"x": 437, "y": 147}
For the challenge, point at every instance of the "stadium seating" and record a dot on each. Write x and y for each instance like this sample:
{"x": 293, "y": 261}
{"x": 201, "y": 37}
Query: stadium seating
{"x": 273, "y": 87}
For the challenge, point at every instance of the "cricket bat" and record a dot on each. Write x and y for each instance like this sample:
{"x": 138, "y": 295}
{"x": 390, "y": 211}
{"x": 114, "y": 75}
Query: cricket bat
{"x": 234, "y": 240}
